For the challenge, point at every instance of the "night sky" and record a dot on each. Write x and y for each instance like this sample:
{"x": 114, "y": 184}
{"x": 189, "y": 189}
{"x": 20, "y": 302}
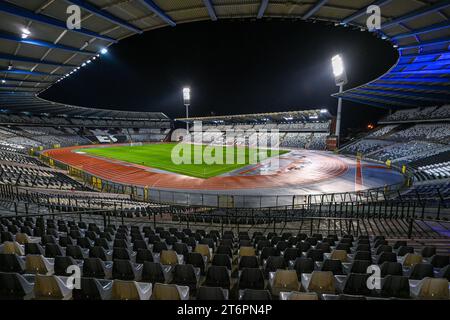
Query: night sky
{"x": 232, "y": 67}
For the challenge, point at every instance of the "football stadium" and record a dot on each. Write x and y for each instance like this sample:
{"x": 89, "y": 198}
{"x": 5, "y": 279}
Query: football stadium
{"x": 100, "y": 203}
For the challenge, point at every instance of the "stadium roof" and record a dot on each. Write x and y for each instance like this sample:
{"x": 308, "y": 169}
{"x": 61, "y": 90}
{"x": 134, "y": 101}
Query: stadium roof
{"x": 33, "y": 62}
{"x": 30, "y": 104}
{"x": 304, "y": 115}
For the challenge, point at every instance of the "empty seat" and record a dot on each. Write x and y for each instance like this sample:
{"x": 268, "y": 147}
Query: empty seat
{"x": 184, "y": 275}
{"x": 248, "y": 262}
{"x": 395, "y": 286}
{"x": 36, "y": 264}
{"x": 52, "y": 250}
{"x": 322, "y": 282}
{"x": 334, "y": 266}
{"x": 316, "y": 255}
{"x": 75, "y": 252}
{"x": 98, "y": 252}
{"x": 302, "y": 296}
{"x": 181, "y": 248}
{"x": 10, "y": 262}
{"x": 421, "y": 270}
{"x": 10, "y": 247}
{"x": 435, "y": 289}
{"x": 273, "y": 264}
{"x": 51, "y": 288}
{"x": 203, "y": 249}
{"x": 360, "y": 266}
{"x": 210, "y": 293}
{"x": 123, "y": 270}
{"x": 33, "y": 248}
{"x": 412, "y": 259}
{"x": 153, "y": 272}
{"x": 403, "y": 250}
{"x": 356, "y": 284}
{"x": 440, "y": 261}
{"x": 61, "y": 265}
{"x": 217, "y": 276}
{"x": 159, "y": 246}
{"x": 383, "y": 248}
{"x": 94, "y": 268}
{"x": 221, "y": 260}
{"x": 428, "y": 251}
{"x": 284, "y": 280}
{"x": 266, "y": 252}
{"x": 340, "y": 255}
{"x": 247, "y": 251}
{"x": 93, "y": 289}
{"x": 14, "y": 286}
{"x": 400, "y": 243}
{"x": 391, "y": 268}
{"x": 261, "y": 295}
{"x": 168, "y": 257}
{"x": 303, "y": 265}
{"x": 363, "y": 255}
{"x": 251, "y": 278}
{"x": 196, "y": 259}
{"x": 143, "y": 255}
{"x": 387, "y": 256}
{"x": 131, "y": 290}
{"x": 165, "y": 292}
{"x": 290, "y": 254}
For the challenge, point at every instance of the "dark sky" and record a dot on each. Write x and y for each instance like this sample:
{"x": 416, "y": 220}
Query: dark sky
{"x": 232, "y": 67}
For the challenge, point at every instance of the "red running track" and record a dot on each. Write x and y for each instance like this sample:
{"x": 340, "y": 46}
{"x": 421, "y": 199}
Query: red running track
{"x": 319, "y": 167}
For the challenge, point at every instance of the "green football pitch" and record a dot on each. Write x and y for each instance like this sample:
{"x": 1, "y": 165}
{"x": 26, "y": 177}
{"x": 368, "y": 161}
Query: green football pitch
{"x": 159, "y": 156}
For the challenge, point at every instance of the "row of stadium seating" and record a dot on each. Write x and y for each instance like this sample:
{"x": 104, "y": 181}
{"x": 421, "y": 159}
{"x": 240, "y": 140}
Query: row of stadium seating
{"x": 420, "y": 114}
{"x": 132, "y": 262}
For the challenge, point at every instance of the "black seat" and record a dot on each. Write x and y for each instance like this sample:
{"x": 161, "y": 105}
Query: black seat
{"x": 324, "y": 246}
{"x": 75, "y": 252}
{"x": 139, "y": 244}
{"x": 121, "y": 254}
{"x": 383, "y": 248}
{"x": 403, "y": 250}
{"x": 98, "y": 252}
{"x": 303, "y": 265}
{"x": 248, "y": 262}
{"x": 360, "y": 266}
{"x": 343, "y": 246}
{"x": 363, "y": 255}
{"x": 52, "y": 250}
{"x": 143, "y": 255}
{"x": 181, "y": 248}
{"x": 102, "y": 242}
{"x": 184, "y": 275}
{"x": 356, "y": 284}
{"x": 61, "y": 265}
{"x": 85, "y": 243}
{"x": 159, "y": 246}
{"x": 445, "y": 273}
{"x": 260, "y": 295}
{"x": 221, "y": 260}
{"x": 217, "y": 276}
{"x": 153, "y": 272}
{"x": 315, "y": 254}
{"x": 334, "y": 266}
{"x": 251, "y": 278}
{"x": 273, "y": 264}
{"x": 210, "y": 293}
{"x": 391, "y": 268}
{"x": 400, "y": 243}
{"x": 34, "y": 248}
{"x": 13, "y": 286}
{"x": 303, "y": 246}
{"x": 196, "y": 259}
{"x": 91, "y": 289}
{"x": 311, "y": 240}
{"x": 362, "y": 247}
{"x": 440, "y": 261}
{"x": 290, "y": 254}
{"x": 7, "y": 236}
{"x": 45, "y": 239}
{"x": 428, "y": 251}
{"x": 10, "y": 262}
{"x": 421, "y": 270}
{"x": 93, "y": 268}
{"x": 395, "y": 286}
{"x": 123, "y": 270}
{"x": 387, "y": 256}
{"x": 121, "y": 243}
{"x": 65, "y": 241}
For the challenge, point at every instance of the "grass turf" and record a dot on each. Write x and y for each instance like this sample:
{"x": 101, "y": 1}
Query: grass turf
{"x": 158, "y": 156}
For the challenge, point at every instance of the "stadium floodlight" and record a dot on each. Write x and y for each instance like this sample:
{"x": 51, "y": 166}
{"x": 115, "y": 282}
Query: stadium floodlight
{"x": 187, "y": 103}
{"x": 3, "y": 81}
{"x": 340, "y": 77}
{"x": 323, "y": 111}
{"x": 104, "y": 51}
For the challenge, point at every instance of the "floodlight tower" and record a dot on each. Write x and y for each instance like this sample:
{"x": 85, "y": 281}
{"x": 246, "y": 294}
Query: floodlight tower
{"x": 187, "y": 103}
{"x": 340, "y": 77}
